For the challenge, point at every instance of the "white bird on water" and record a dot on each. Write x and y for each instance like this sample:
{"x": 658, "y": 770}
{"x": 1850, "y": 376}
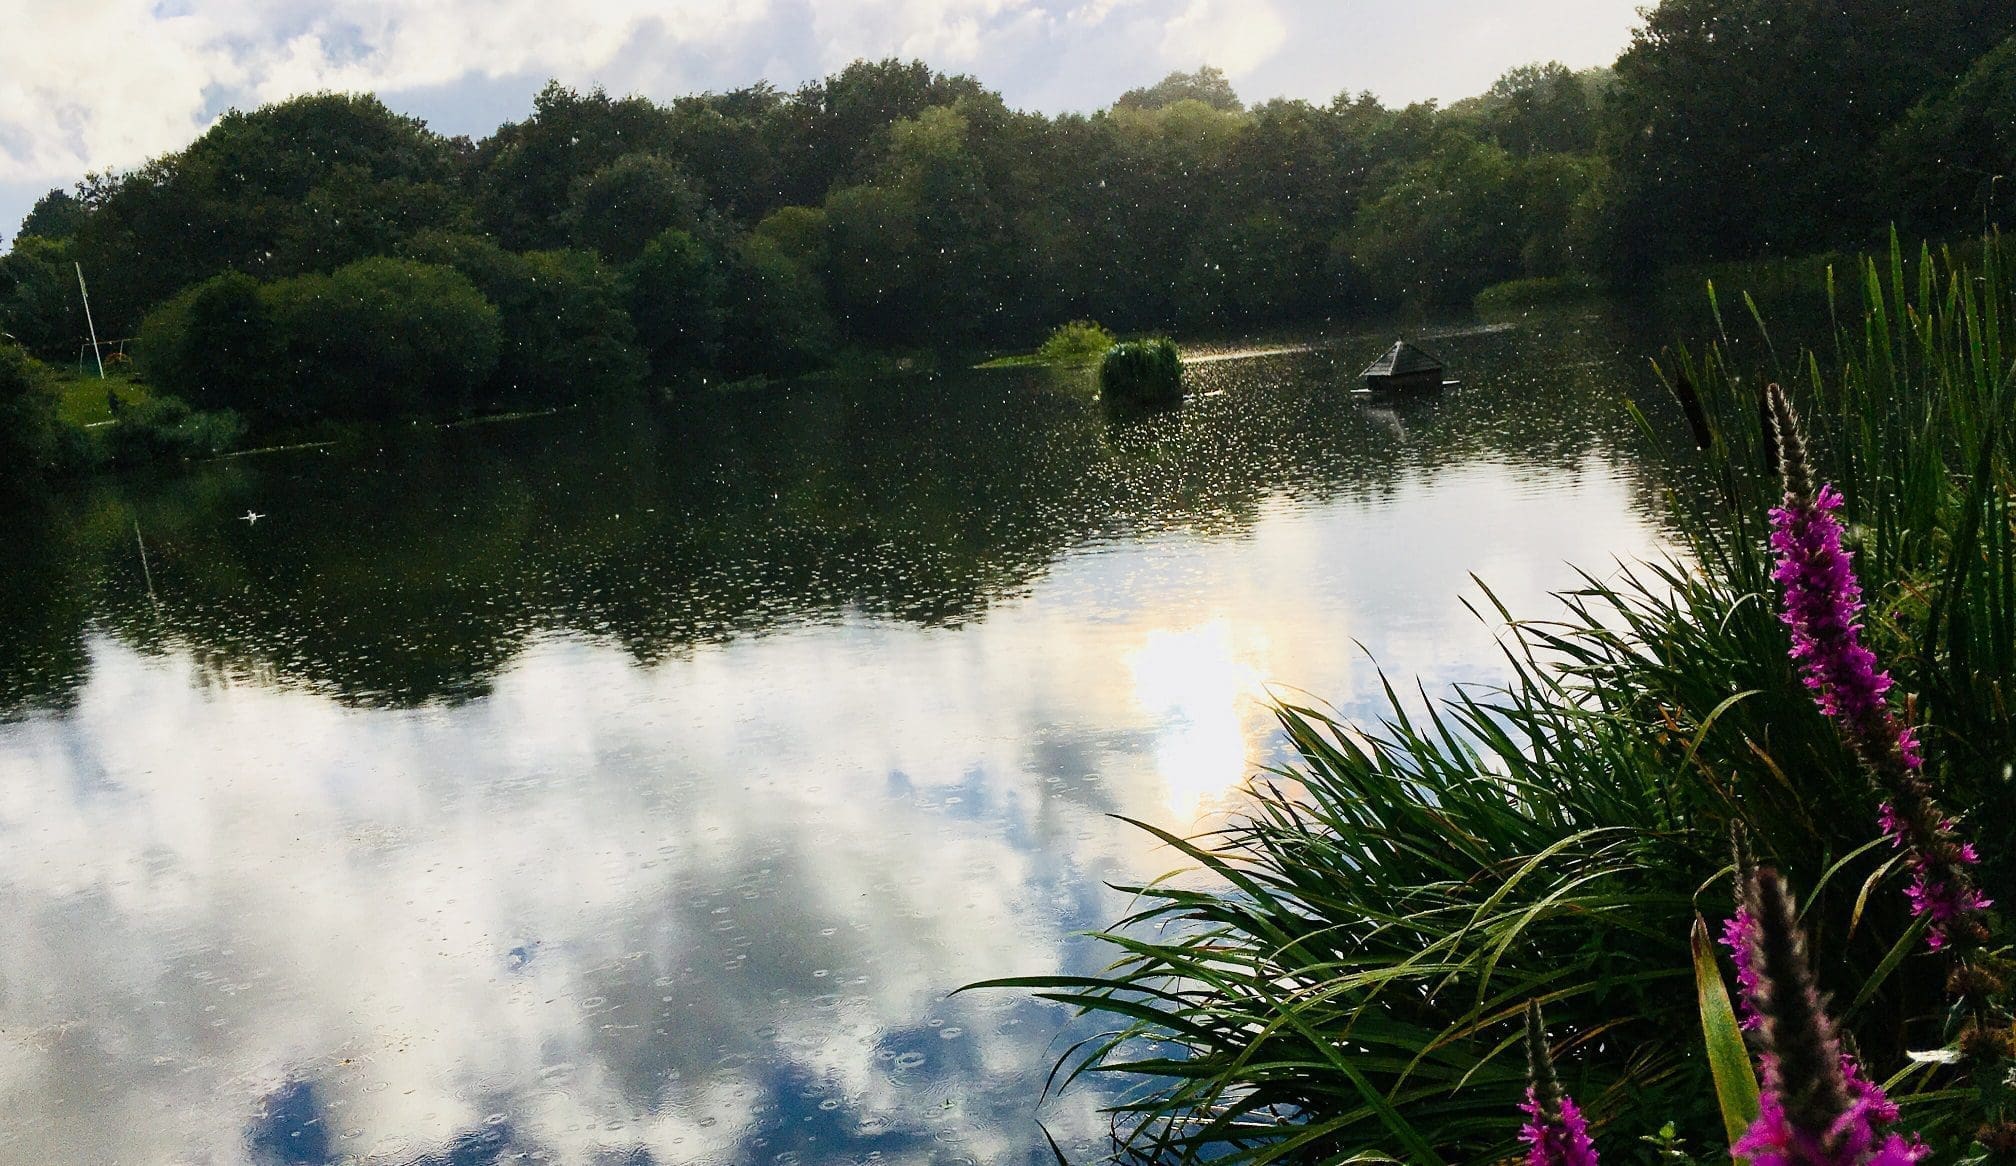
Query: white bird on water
{"x": 250, "y": 517}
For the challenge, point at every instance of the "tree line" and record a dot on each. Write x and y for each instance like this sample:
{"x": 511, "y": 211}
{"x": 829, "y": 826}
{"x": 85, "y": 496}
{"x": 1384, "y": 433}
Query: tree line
{"x": 326, "y": 256}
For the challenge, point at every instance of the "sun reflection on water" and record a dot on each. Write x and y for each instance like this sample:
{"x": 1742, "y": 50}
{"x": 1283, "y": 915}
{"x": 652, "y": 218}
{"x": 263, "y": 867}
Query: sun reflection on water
{"x": 1203, "y": 693}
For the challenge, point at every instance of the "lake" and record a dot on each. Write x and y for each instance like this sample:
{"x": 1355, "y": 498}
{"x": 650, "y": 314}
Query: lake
{"x": 636, "y": 786}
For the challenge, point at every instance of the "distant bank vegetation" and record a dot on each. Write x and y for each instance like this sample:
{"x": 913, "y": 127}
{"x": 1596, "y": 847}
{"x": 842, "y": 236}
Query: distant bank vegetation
{"x": 275, "y": 266}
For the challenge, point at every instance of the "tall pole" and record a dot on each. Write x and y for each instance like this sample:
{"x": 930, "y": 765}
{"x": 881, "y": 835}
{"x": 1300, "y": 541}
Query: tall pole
{"x": 87, "y": 322}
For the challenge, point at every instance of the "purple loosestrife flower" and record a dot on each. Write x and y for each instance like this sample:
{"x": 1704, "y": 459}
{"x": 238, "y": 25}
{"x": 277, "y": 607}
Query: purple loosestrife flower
{"x": 1822, "y": 612}
{"x": 1738, "y": 935}
{"x": 1816, "y": 1108}
{"x": 1555, "y": 1133}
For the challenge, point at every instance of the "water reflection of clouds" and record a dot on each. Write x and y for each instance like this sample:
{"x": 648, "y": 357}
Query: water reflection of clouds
{"x": 707, "y": 910}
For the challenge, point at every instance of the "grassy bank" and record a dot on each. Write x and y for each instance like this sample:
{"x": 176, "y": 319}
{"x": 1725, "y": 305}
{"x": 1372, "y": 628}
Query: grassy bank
{"x": 1348, "y": 984}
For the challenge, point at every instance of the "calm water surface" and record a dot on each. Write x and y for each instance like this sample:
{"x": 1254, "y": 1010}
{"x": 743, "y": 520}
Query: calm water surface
{"x": 634, "y": 788}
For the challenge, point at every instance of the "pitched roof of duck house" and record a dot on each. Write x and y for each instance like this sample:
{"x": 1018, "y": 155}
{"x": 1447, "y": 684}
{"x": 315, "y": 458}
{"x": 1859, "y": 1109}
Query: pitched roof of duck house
{"x": 1403, "y": 359}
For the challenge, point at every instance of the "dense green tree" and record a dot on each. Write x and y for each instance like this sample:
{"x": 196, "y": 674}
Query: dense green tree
{"x": 615, "y": 211}
{"x": 27, "y": 418}
{"x": 56, "y": 215}
{"x": 527, "y": 171}
{"x": 383, "y": 338}
{"x": 678, "y": 301}
{"x": 1207, "y": 85}
{"x": 1535, "y": 109}
{"x": 39, "y": 303}
{"x": 1739, "y": 126}
{"x": 1950, "y": 166}
{"x": 775, "y": 319}
{"x": 217, "y": 346}
{"x": 1446, "y": 227}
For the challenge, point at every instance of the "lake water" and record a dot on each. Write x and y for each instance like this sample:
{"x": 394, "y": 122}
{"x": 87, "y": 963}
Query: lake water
{"x": 635, "y": 787}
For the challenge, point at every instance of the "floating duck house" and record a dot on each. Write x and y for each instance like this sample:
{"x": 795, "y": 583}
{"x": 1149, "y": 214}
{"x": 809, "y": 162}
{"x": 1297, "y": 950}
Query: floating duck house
{"x": 1404, "y": 367}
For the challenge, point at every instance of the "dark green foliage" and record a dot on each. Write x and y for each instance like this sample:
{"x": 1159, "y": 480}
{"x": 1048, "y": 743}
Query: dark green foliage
{"x": 1737, "y": 126}
{"x": 1440, "y": 233}
{"x": 1207, "y": 85}
{"x": 1536, "y": 109}
{"x": 56, "y": 215}
{"x": 566, "y": 336}
{"x": 678, "y": 302}
{"x": 303, "y": 185}
{"x": 527, "y": 172}
{"x": 217, "y": 346}
{"x": 1142, "y": 372}
{"x": 774, "y": 318}
{"x": 164, "y": 428}
{"x": 383, "y": 338}
{"x": 1951, "y": 164}
{"x": 27, "y": 418}
{"x": 621, "y": 207}
{"x": 39, "y": 303}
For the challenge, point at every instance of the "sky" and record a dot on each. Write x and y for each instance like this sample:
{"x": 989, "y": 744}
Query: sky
{"x": 106, "y": 84}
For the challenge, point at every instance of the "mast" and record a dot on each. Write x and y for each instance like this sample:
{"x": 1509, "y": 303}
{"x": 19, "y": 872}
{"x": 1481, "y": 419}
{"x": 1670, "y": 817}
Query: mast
{"x": 95, "y": 353}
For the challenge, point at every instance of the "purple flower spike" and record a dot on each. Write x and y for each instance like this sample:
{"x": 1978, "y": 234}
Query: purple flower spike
{"x": 1555, "y": 1133}
{"x": 1557, "y": 1139}
{"x": 1822, "y": 613}
{"x": 1816, "y": 1108}
{"x": 1739, "y": 936}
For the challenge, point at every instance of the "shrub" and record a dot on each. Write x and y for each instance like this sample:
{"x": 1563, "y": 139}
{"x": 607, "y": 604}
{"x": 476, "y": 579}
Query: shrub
{"x": 164, "y": 428}
{"x": 565, "y": 334}
{"x": 1077, "y": 343}
{"x": 383, "y": 338}
{"x": 1142, "y": 372}
{"x": 27, "y": 417}
{"x": 216, "y": 345}
{"x": 677, "y": 295}
{"x": 1518, "y": 295}
{"x": 777, "y": 322}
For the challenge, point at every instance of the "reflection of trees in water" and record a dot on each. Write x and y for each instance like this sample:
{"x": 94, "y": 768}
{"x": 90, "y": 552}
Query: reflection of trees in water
{"x": 416, "y": 572}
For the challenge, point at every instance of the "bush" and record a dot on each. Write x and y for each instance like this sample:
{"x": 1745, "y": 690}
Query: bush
{"x": 27, "y": 417}
{"x": 677, "y": 295}
{"x": 1077, "y": 343}
{"x": 164, "y": 428}
{"x": 1142, "y": 372}
{"x": 383, "y": 338}
{"x": 216, "y": 345}
{"x": 1518, "y": 295}
{"x": 566, "y": 336}
{"x": 777, "y": 322}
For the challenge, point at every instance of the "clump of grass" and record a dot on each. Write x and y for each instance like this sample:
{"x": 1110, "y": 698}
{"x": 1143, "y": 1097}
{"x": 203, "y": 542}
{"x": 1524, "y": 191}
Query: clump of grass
{"x": 1518, "y": 295}
{"x": 1142, "y": 372}
{"x": 1349, "y": 983}
{"x": 1080, "y": 342}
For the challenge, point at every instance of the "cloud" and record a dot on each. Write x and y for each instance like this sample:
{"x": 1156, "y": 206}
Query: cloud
{"x": 1235, "y": 35}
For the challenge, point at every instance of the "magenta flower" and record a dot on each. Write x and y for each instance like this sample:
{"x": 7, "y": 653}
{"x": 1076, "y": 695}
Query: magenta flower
{"x": 1822, "y": 612}
{"x": 1555, "y": 1133}
{"x": 1559, "y": 1138}
{"x": 1738, "y": 935}
{"x": 1816, "y": 1107}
